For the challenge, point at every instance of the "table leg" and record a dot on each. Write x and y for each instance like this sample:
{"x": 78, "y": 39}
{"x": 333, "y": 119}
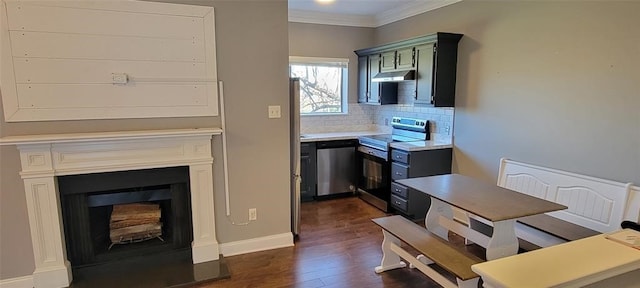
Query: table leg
{"x": 432, "y": 221}
{"x": 503, "y": 242}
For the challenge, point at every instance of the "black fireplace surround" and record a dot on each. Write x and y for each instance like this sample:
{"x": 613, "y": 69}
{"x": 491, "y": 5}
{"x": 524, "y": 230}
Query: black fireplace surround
{"x": 87, "y": 202}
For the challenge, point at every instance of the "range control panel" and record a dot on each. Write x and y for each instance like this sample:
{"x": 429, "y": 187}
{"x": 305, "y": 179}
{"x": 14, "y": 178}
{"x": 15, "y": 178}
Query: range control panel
{"x": 409, "y": 123}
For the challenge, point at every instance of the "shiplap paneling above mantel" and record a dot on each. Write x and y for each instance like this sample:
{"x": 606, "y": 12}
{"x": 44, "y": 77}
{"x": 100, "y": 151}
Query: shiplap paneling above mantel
{"x": 389, "y": 16}
{"x": 59, "y": 58}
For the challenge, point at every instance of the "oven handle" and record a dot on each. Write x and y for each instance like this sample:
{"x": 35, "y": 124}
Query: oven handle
{"x": 373, "y": 152}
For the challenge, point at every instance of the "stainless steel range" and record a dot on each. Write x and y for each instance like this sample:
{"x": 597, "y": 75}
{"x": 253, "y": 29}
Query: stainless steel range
{"x": 374, "y": 179}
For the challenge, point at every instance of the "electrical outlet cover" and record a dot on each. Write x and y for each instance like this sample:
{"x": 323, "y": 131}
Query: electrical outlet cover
{"x": 274, "y": 111}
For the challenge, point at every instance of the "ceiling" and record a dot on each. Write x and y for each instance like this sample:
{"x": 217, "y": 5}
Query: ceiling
{"x": 361, "y": 13}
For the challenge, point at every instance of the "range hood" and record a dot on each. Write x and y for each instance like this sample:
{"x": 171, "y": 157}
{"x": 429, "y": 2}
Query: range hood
{"x": 394, "y": 76}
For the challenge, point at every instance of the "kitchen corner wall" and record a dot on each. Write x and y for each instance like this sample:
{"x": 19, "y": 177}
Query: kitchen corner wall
{"x": 552, "y": 83}
{"x": 315, "y": 40}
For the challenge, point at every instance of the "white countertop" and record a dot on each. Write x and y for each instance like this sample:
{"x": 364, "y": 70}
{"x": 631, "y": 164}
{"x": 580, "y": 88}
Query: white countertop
{"x": 422, "y": 145}
{"x": 405, "y": 146}
{"x": 313, "y": 137}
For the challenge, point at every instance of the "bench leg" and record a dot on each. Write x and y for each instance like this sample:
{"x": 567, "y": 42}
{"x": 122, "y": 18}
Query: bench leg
{"x": 390, "y": 260}
{"x": 471, "y": 283}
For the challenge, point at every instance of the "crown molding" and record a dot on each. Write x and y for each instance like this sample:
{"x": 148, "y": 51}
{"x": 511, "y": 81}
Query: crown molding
{"x": 405, "y": 11}
{"x": 410, "y": 9}
{"x": 331, "y": 18}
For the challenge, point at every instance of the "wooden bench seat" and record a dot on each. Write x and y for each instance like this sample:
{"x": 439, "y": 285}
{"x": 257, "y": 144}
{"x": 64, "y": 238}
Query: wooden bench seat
{"x": 434, "y": 250}
{"x": 559, "y": 228}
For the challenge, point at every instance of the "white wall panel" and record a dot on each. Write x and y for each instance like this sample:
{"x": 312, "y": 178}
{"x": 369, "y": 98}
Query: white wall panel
{"x": 110, "y": 96}
{"x": 46, "y": 70}
{"x": 65, "y": 20}
{"x": 124, "y": 5}
{"x": 85, "y": 46}
{"x": 62, "y": 55}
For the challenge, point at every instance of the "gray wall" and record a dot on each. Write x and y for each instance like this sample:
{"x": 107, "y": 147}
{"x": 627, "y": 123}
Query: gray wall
{"x": 251, "y": 40}
{"x": 554, "y": 84}
{"x": 550, "y": 83}
{"x": 330, "y": 41}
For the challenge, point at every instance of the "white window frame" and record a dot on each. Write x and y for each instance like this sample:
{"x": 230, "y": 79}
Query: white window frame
{"x": 341, "y": 62}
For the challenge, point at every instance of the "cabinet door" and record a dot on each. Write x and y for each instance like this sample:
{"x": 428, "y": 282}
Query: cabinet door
{"x": 305, "y": 162}
{"x": 363, "y": 79}
{"x": 388, "y": 61}
{"x": 424, "y": 77}
{"x": 404, "y": 58}
{"x": 374, "y": 87}
{"x": 307, "y": 171}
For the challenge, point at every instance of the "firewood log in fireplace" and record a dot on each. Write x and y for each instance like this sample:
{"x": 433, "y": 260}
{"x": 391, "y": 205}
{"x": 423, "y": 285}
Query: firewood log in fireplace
{"x": 135, "y": 222}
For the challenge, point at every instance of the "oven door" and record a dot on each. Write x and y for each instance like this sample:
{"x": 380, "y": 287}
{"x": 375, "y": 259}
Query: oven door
{"x": 374, "y": 177}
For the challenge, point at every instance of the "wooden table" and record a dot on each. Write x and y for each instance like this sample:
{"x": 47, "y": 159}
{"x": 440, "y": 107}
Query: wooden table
{"x": 497, "y": 205}
{"x": 572, "y": 264}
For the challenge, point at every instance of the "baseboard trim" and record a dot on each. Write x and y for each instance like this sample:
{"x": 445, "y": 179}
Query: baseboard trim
{"x": 17, "y": 282}
{"x": 257, "y": 244}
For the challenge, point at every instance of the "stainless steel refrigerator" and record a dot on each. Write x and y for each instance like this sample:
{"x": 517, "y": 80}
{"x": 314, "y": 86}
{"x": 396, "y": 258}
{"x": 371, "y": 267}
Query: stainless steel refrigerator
{"x": 294, "y": 116}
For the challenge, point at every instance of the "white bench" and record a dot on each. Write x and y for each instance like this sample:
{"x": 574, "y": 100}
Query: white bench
{"x": 434, "y": 250}
{"x": 597, "y": 204}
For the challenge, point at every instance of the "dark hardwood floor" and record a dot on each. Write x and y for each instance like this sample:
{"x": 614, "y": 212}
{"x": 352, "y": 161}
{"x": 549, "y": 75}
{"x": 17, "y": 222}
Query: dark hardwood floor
{"x": 338, "y": 246}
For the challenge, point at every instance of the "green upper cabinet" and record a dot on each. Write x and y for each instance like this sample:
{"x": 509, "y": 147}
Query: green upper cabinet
{"x": 401, "y": 59}
{"x": 363, "y": 79}
{"x": 424, "y": 74}
{"x": 374, "y": 92}
{"x": 388, "y": 61}
{"x": 405, "y": 59}
{"x": 444, "y": 61}
{"x": 374, "y": 87}
{"x": 433, "y": 59}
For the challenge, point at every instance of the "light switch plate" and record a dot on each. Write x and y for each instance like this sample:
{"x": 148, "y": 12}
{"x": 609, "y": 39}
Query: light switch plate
{"x": 274, "y": 111}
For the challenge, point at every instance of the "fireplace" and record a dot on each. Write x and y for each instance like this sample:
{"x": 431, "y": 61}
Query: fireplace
{"x": 49, "y": 161}
{"x": 90, "y": 200}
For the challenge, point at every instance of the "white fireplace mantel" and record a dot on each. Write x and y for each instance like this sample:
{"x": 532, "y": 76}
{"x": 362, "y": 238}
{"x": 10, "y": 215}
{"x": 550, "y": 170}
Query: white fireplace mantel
{"x": 43, "y": 157}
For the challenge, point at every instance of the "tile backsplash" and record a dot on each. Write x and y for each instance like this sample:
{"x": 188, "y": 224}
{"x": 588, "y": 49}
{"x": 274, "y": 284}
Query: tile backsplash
{"x": 440, "y": 119}
{"x": 359, "y": 118}
{"x": 362, "y": 117}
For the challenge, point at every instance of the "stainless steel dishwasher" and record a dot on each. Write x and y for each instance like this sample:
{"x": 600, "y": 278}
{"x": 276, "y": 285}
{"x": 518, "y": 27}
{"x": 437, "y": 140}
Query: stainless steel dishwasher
{"x": 336, "y": 166}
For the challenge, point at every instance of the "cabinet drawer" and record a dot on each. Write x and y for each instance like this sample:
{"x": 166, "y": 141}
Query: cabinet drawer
{"x": 399, "y": 190}
{"x": 400, "y": 156}
{"x": 399, "y": 171}
{"x": 399, "y": 203}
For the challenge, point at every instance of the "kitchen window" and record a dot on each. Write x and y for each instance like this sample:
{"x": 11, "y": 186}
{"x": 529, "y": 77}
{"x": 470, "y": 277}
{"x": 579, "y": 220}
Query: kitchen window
{"x": 323, "y": 84}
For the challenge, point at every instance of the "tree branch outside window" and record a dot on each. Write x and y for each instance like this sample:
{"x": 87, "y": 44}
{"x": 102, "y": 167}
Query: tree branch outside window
{"x": 321, "y": 87}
